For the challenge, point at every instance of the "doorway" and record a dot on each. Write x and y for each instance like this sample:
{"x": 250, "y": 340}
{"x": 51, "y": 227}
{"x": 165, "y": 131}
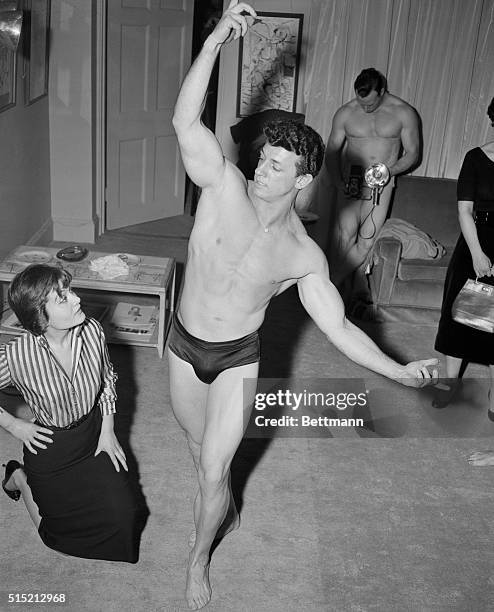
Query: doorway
{"x": 148, "y": 50}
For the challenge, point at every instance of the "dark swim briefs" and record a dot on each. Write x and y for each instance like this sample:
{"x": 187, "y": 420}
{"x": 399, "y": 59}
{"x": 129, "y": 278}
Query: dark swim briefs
{"x": 209, "y": 359}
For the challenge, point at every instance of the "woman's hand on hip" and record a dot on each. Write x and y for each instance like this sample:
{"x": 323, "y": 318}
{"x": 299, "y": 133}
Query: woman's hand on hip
{"x": 109, "y": 444}
{"x": 31, "y": 434}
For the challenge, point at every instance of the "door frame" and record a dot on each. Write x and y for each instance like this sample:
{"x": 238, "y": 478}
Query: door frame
{"x": 99, "y": 82}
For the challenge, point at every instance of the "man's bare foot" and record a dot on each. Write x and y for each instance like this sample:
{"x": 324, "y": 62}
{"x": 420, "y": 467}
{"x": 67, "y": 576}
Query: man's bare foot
{"x": 231, "y": 522}
{"x": 197, "y": 589}
{"x": 482, "y": 458}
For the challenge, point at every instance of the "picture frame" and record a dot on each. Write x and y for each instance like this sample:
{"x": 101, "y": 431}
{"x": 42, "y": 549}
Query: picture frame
{"x": 37, "y": 40}
{"x": 269, "y": 63}
{"x": 7, "y": 78}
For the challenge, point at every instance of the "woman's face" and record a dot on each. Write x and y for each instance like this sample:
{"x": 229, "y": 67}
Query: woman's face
{"x": 64, "y": 309}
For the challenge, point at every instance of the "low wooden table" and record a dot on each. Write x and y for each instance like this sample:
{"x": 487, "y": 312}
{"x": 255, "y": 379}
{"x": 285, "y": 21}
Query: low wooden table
{"x": 149, "y": 280}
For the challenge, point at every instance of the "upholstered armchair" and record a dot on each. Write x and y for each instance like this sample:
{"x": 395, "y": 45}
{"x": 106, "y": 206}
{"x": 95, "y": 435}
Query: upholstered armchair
{"x": 411, "y": 289}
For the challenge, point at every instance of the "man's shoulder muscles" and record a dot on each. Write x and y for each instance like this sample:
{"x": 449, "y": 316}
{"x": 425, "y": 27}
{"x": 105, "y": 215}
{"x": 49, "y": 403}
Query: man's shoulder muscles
{"x": 314, "y": 259}
{"x": 350, "y": 105}
{"x": 401, "y": 105}
{"x": 342, "y": 114}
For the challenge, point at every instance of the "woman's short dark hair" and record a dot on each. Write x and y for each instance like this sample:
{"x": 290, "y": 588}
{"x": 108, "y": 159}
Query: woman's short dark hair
{"x": 299, "y": 139}
{"x": 369, "y": 80}
{"x": 490, "y": 110}
{"x": 29, "y": 291}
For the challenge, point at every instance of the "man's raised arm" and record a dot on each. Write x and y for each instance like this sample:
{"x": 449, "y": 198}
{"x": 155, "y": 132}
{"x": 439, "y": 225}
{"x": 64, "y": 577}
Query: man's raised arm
{"x": 201, "y": 152}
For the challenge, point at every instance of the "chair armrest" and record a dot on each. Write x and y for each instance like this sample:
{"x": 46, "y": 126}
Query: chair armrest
{"x": 387, "y": 255}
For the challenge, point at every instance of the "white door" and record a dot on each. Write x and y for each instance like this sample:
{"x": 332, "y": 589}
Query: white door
{"x": 148, "y": 53}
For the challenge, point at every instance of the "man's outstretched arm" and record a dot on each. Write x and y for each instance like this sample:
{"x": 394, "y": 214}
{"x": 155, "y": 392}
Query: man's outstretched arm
{"x": 323, "y": 303}
{"x": 201, "y": 152}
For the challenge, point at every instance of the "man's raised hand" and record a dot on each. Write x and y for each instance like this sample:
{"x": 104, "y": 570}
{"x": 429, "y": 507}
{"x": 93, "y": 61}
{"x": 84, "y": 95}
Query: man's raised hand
{"x": 232, "y": 24}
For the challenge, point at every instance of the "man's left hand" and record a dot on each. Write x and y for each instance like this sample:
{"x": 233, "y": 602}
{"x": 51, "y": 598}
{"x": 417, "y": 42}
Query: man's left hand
{"x": 109, "y": 444}
{"x": 416, "y": 373}
{"x": 233, "y": 23}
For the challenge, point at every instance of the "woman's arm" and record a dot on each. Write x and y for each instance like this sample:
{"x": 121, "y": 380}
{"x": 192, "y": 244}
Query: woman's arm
{"x": 467, "y": 192}
{"x": 29, "y": 433}
{"x": 481, "y": 263}
{"x": 108, "y": 395}
{"x": 107, "y": 441}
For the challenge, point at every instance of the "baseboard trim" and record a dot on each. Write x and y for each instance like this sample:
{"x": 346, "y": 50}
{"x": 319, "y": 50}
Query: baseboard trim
{"x": 75, "y": 230}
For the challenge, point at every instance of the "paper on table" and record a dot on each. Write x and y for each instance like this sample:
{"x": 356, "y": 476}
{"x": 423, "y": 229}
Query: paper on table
{"x": 109, "y": 266}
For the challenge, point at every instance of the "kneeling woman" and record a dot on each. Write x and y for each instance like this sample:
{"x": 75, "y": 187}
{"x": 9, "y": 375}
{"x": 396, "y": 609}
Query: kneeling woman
{"x": 71, "y": 482}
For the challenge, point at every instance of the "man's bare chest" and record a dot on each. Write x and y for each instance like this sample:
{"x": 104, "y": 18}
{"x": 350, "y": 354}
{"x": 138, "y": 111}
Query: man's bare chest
{"x": 260, "y": 258}
{"x": 373, "y": 125}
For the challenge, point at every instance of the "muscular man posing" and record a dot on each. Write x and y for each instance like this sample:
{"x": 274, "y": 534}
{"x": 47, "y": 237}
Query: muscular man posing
{"x": 247, "y": 245}
{"x": 373, "y": 127}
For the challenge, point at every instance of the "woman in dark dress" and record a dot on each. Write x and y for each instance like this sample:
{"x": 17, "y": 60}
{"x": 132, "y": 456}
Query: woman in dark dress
{"x": 473, "y": 257}
{"x": 71, "y": 482}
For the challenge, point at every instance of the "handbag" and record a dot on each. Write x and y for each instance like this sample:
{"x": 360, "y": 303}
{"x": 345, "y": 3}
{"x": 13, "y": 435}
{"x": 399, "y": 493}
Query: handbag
{"x": 474, "y": 306}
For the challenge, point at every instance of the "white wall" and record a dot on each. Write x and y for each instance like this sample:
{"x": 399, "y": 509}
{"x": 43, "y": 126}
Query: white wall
{"x": 227, "y": 85}
{"x": 71, "y": 122}
{"x": 24, "y": 168}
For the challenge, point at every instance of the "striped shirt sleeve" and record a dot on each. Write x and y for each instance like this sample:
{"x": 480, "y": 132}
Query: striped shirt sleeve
{"x": 5, "y": 378}
{"x": 108, "y": 395}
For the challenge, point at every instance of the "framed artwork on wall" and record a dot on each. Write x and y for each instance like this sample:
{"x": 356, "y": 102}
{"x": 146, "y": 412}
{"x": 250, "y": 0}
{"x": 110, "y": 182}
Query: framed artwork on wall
{"x": 269, "y": 63}
{"x": 7, "y": 78}
{"x": 37, "y": 40}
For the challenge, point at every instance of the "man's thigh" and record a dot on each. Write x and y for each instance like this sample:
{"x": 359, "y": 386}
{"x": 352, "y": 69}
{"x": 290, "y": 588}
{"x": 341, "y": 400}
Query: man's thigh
{"x": 228, "y": 411}
{"x": 188, "y": 396}
{"x": 348, "y": 214}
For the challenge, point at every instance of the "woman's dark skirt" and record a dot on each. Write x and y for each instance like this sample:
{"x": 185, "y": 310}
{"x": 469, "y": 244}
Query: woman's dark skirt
{"x": 87, "y": 508}
{"x": 456, "y": 339}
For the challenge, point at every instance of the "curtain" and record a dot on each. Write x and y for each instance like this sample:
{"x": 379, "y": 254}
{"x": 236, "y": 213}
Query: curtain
{"x": 437, "y": 55}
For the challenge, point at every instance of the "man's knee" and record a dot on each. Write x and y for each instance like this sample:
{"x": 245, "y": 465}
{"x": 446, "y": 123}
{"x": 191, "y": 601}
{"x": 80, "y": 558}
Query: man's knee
{"x": 213, "y": 474}
{"x": 363, "y": 247}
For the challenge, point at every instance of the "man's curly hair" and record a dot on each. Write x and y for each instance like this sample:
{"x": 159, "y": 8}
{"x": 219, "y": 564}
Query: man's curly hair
{"x": 299, "y": 139}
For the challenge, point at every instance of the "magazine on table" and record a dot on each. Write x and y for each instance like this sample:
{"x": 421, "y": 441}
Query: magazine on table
{"x": 133, "y": 322}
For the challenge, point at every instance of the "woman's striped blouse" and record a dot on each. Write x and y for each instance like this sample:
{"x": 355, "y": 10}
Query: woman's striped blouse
{"x": 28, "y": 364}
